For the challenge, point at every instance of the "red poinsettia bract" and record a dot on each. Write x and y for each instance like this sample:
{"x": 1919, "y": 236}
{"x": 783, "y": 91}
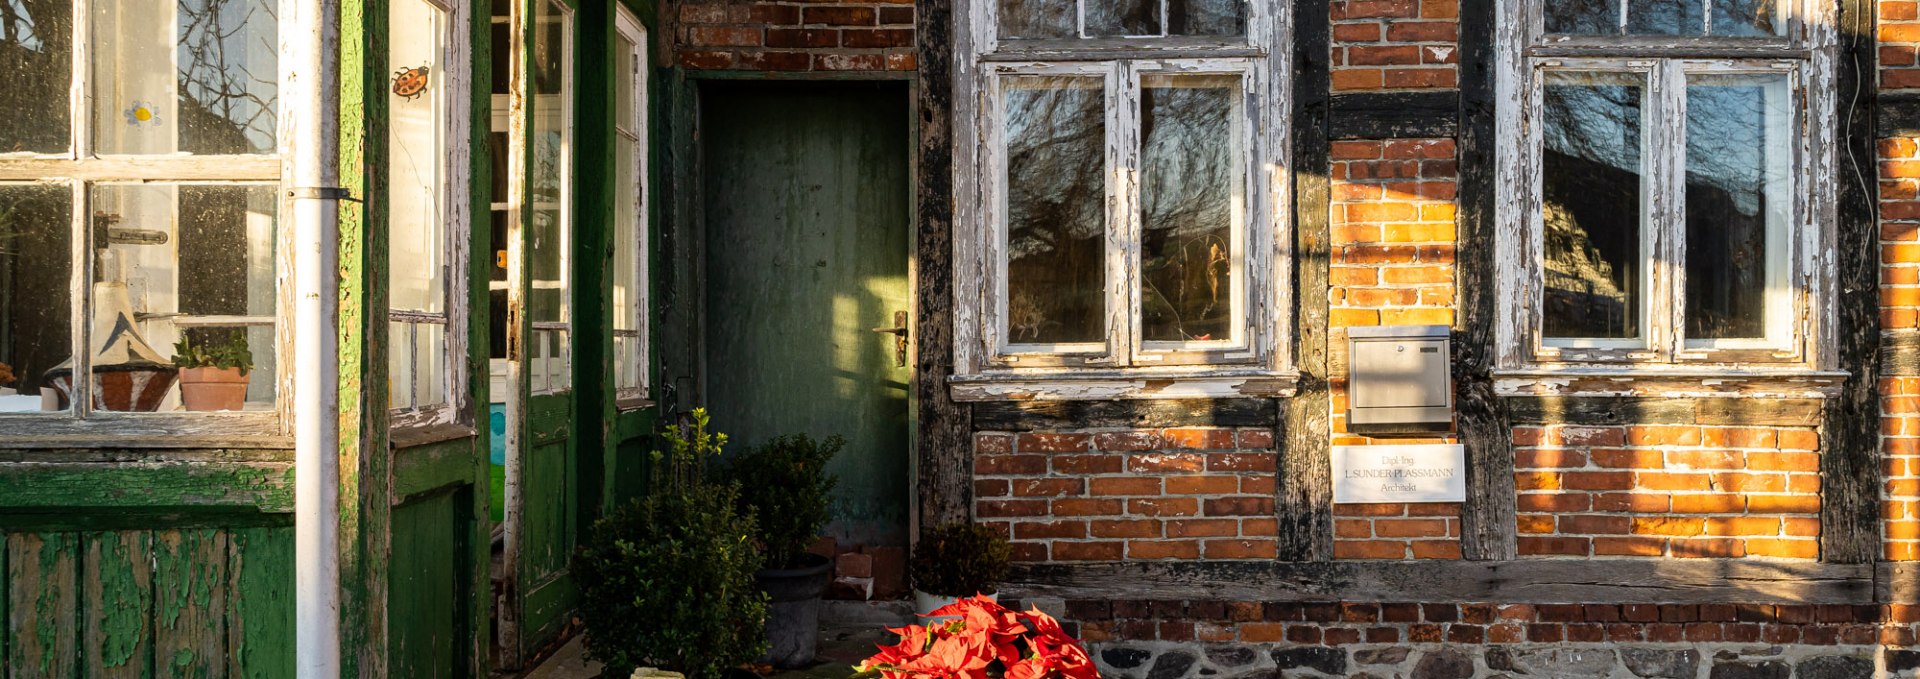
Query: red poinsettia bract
{"x": 983, "y": 641}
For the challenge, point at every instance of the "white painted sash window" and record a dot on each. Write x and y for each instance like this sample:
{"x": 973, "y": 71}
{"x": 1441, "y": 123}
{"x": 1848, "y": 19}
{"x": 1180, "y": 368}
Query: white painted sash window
{"x": 547, "y": 168}
{"x": 426, "y": 209}
{"x": 140, "y": 162}
{"x": 630, "y": 313}
{"x": 1665, "y": 205}
{"x": 1121, "y": 181}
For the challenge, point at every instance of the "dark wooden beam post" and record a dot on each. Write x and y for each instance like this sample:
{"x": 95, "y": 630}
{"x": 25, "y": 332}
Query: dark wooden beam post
{"x": 1850, "y": 435}
{"x": 945, "y": 438}
{"x": 1487, "y": 519}
{"x": 1305, "y": 501}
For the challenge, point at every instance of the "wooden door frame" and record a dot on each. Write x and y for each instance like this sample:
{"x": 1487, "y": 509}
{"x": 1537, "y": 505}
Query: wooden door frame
{"x": 686, "y": 247}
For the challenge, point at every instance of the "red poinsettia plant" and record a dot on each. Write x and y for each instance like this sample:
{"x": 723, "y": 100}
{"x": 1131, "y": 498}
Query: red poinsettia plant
{"x": 983, "y": 640}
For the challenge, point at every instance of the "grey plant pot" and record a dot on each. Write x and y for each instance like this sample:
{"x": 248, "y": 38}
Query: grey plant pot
{"x": 793, "y": 617}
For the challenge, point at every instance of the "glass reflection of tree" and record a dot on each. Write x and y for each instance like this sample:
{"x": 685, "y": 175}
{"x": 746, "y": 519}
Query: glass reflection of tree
{"x": 227, "y": 88}
{"x": 1187, "y": 183}
{"x": 36, "y": 51}
{"x": 1591, "y": 171}
{"x": 1056, "y": 209}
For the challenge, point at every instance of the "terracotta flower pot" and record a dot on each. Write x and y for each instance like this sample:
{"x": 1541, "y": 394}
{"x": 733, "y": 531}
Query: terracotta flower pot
{"x": 213, "y": 389}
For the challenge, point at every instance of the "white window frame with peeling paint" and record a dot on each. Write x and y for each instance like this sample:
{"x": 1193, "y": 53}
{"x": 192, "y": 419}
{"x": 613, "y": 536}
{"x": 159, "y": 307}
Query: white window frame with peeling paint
{"x": 1648, "y": 350}
{"x": 427, "y": 214}
{"x": 630, "y": 251}
{"x": 1000, "y": 348}
{"x": 126, "y": 135}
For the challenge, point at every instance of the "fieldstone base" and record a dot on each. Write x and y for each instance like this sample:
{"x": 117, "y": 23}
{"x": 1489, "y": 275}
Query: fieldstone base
{"x": 1182, "y": 660}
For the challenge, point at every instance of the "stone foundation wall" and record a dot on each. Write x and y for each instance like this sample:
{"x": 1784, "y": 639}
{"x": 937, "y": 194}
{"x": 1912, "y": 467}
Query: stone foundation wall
{"x": 1176, "y": 639}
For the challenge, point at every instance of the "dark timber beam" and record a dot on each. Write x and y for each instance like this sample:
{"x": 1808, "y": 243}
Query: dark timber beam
{"x": 1487, "y": 520}
{"x": 1395, "y": 115}
{"x": 1850, "y": 436}
{"x": 1305, "y": 495}
{"x": 945, "y": 434}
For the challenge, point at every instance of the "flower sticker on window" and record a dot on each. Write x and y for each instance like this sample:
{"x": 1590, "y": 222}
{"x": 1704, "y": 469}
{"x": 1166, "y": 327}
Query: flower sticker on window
{"x": 142, "y": 114}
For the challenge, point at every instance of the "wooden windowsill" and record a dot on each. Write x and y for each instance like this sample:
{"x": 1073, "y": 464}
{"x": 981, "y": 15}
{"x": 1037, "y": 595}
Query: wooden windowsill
{"x": 420, "y": 435}
{"x": 1110, "y": 385}
{"x": 1669, "y": 381}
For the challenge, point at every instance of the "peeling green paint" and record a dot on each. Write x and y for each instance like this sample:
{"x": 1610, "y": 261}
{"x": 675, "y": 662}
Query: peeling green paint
{"x": 122, "y": 624}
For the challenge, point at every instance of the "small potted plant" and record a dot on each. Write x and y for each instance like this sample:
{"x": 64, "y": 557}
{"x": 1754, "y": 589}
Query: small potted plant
{"x": 954, "y": 562}
{"x": 787, "y": 492}
{"x": 213, "y": 376}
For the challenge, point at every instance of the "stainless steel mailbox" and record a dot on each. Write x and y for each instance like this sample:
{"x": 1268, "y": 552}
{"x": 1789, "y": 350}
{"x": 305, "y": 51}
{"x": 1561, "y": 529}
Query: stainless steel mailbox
{"x": 1399, "y": 379}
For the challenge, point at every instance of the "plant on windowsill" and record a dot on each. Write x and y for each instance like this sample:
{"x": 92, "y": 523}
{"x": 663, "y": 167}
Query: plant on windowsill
{"x": 213, "y": 375}
{"x": 667, "y": 580}
{"x": 956, "y": 561}
{"x": 787, "y": 492}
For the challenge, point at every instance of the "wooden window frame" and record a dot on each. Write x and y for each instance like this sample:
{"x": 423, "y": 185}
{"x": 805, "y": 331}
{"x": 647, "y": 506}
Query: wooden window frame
{"x": 519, "y": 197}
{"x": 456, "y": 197}
{"x": 83, "y": 170}
{"x": 1258, "y": 360}
{"x": 633, "y": 396}
{"x": 1798, "y": 356}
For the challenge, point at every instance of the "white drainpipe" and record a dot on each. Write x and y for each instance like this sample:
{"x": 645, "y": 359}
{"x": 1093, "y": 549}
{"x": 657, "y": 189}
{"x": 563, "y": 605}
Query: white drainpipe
{"x": 310, "y": 126}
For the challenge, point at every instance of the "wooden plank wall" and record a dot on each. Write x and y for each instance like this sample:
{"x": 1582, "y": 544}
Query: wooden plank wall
{"x": 178, "y": 601}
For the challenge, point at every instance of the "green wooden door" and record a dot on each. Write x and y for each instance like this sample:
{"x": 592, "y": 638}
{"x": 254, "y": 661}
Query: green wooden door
{"x": 806, "y": 254}
{"x": 542, "y": 494}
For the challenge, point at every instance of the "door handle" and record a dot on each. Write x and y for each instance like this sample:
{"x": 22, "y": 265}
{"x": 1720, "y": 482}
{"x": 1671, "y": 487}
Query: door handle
{"x": 899, "y": 332}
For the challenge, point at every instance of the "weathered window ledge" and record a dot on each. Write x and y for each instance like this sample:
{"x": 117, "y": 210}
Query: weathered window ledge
{"x": 1108, "y": 385}
{"x": 1670, "y": 382}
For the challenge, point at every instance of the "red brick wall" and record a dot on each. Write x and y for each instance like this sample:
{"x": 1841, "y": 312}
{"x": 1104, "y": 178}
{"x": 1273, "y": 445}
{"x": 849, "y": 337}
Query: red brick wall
{"x": 1668, "y": 491}
{"x": 1133, "y": 495}
{"x": 1393, "y": 234}
{"x": 1899, "y": 35}
{"x": 1395, "y": 44}
{"x": 860, "y": 35}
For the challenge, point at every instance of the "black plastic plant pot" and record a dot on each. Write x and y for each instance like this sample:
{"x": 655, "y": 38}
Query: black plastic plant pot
{"x": 793, "y": 618}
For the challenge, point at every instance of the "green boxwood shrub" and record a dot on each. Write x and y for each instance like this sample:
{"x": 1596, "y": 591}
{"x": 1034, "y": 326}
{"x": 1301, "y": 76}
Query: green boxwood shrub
{"x": 960, "y": 560}
{"x": 787, "y": 490}
{"x": 667, "y": 580}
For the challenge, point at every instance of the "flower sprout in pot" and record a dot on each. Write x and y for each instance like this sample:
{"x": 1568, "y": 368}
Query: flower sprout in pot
{"x": 957, "y": 561}
{"x": 786, "y": 488}
{"x": 213, "y": 374}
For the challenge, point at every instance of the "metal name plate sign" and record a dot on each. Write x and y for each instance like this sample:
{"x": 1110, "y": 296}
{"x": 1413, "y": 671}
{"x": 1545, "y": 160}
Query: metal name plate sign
{"x": 1399, "y": 473}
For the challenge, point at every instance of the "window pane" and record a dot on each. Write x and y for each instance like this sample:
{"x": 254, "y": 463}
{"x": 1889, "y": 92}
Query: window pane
{"x": 1738, "y": 165}
{"x": 36, "y": 317}
{"x": 417, "y": 153}
{"x": 1582, "y": 17}
{"x": 416, "y": 364}
{"x": 1191, "y": 194}
{"x": 627, "y": 216}
{"x": 1206, "y": 17}
{"x": 36, "y": 63}
{"x": 1116, "y": 18}
{"x": 194, "y": 259}
{"x": 193, "y": 76}
{"x": 548, "y": 231}
{"x": 1665, "y": 17}
{"x": 1592, "y": 210}
{"x": 1038, "y": 19}
{"x": 1056, "y": 209}
{"x": 1747, "y": 18}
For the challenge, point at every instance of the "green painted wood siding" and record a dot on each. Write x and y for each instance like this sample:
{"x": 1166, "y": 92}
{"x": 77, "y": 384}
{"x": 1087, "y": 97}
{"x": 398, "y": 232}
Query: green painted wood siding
{"x": 181, "y": 601}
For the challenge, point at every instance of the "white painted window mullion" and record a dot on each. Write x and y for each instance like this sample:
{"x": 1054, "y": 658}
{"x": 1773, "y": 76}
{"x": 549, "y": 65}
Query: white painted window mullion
{"x": 1667, "y": 299}
{"x": 1123, "y": 212}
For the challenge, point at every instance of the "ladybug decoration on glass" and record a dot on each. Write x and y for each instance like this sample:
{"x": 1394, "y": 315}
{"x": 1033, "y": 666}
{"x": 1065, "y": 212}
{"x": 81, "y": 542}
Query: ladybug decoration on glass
{"x": 410, "y": 82}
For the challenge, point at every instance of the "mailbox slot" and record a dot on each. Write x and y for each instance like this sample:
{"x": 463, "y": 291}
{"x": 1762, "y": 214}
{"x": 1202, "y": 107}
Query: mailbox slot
{"x": 1399, "y": 379}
